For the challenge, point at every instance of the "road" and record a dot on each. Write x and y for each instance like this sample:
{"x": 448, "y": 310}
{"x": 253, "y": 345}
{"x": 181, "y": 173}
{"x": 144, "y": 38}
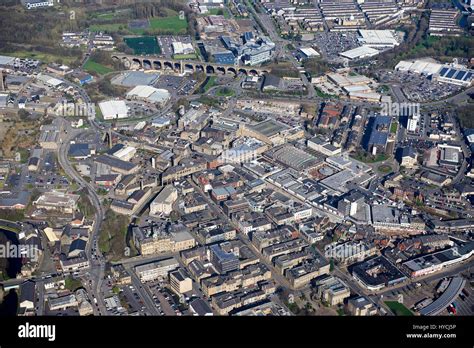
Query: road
{"x": 97, "y": 265}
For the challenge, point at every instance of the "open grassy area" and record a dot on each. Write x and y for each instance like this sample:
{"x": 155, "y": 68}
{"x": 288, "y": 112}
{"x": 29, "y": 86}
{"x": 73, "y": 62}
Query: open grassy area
{"x": 219, "y": 11}
{"x": 94, "y": 67}
{"x": 185, "y": 56}
{"x": 225, "y": 92}
{"x": 72, "y": 284}
{"x": 172, "y": 24}
{"x": 113, "y": 234}
{"x": 284, "y": 69}
{"x": 109, "y": 15}
{"x": 368, "y": 158}
{"x": 384, "y": 168}
{"x": 394, "y": 127}
{"x": 207, "y": 84}
{"x": 108, "y": 28}
{"x": 398, "y": 308}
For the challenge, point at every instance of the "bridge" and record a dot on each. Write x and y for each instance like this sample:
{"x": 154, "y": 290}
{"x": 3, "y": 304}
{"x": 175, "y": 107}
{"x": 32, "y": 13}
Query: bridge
{"x": 160, "y": 63}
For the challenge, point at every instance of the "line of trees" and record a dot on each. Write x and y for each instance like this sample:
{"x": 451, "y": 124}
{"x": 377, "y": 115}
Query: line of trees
{"x": 156, "y": 8}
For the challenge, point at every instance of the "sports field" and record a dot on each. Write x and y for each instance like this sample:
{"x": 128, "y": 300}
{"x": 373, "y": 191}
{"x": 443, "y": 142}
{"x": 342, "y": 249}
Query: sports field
{"x": 143, "y": 45}
{"x": 171, "y": 24}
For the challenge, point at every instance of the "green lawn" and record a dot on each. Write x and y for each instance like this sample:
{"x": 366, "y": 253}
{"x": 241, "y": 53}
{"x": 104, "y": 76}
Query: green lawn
{"x": 398, "y": 308}
{"x": 171, "y": 24}
{"x": 215, "y": 11}
{"x": 211, "y": 82}
{"x": 385, "y": 168}
{"x": 225, "y": 92}
{"x": 109, "y": 28}
{"x": 94, "y": 67}
{"x": 72, "y": 284}
{"x": 98, "y": 113}
{"x": 394, "y": 128}
{"x": 185, "y": 56}
{"x": 368, "y": 158}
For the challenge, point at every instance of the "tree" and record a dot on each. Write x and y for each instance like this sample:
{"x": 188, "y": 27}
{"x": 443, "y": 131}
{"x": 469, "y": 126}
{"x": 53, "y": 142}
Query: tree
{"x": 23, "y": 114}
{"x": 106, "y": 87}
{"x": 174, "y": 216}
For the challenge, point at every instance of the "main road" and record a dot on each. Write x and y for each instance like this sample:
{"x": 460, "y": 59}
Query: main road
{"x": 97, "y": 265}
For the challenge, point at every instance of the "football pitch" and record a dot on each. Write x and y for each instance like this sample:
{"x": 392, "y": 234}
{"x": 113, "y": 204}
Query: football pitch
{"x": 143, "y": 45}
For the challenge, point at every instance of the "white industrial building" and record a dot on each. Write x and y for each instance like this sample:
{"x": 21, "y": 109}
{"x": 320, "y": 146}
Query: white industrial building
{"x": 419, "y": 66}
{"x": 359, "y": 53}
{"x": 454, "y": 74}
{"x": 182, "y": 48}
{"x": 378, "y": 38}
{"x": 309, "y": 52}
{"x": 49, "y": 80}
{"x": 149, "y": 94}
{"x": 413, "y": 122}
{"x": 125, "y": 153}
{"x": 113, "y": 109}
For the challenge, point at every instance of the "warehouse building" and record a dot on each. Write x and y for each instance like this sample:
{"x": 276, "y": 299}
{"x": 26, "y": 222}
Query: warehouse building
{"x": 113, "y": 109}
{"x": 457, "y": 76}
{"x": 149, "y": 94}
{"x": 359, "y": 53}
{"x": 378, "y": 38}
{"x": 135, "y": 78}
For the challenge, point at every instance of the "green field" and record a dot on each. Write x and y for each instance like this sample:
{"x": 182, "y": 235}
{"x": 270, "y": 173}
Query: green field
{"x": 394, "y": 128}
{"x": 171, "y": 24}
{"x": 225, "y": 92}
{"x": 107, "y": 16}
{"x": 185, "y": 56}
{"x": 215, "y": 11}
{"x": 384, "y": 168}
{"x": 398, "y": 308}
{"x": 209, "y": 83}
{"x": 109, "y": 28}
{"x": 143, "y": 45}
{"x": 94, "y": 67}
{"x": 368, "y": 158}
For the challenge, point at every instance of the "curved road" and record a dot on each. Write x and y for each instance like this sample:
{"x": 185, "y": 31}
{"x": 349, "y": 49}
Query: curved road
{"x": 97, "y": 267}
